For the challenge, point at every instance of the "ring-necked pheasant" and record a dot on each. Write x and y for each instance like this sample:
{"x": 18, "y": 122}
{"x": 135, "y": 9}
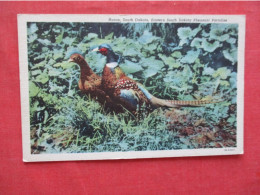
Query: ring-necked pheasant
{"x": 90, "y": 83}
{"x": 129, "y": 93}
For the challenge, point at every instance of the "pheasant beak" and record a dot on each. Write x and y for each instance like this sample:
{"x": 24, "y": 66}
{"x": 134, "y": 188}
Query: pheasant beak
{"x": 70, "y": 60}
{"x": 96, "y": 49}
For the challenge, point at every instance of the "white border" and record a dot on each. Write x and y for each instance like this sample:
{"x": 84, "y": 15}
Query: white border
{"x": 24, "y": 82}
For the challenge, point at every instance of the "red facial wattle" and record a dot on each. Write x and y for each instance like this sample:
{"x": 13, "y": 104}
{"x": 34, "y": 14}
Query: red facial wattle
{"x": 103, "y": 51}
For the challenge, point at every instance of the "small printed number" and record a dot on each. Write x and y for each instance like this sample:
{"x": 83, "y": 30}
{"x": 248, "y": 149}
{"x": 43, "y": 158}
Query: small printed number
{"x": 229, "y": 149}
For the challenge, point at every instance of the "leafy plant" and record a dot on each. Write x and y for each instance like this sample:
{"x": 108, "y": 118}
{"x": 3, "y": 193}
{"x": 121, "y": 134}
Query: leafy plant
{"x": 173, "y": 61}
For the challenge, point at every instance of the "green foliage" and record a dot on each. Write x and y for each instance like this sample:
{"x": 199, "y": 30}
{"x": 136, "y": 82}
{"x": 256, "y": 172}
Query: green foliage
{"x": 222, "y": 73}
{"x": 173, "y": 61}
{"x": 231, "y": 55}
{"x": 190, "y": 57}
{"x": 34, "y": 90}
{"x": 129, "y": 67}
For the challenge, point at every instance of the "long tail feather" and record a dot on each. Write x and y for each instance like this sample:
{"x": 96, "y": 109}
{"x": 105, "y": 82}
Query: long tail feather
{"x": 156, "y": 102}
{"x": 192, "y": 102}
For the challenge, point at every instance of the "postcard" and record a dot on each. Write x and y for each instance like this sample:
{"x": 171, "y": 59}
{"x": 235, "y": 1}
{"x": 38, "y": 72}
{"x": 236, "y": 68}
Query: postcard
{"x": 99, "y": 87}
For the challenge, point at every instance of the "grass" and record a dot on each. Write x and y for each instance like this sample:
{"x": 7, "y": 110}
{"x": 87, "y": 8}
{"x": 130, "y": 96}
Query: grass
{"x": 82, "y": 125}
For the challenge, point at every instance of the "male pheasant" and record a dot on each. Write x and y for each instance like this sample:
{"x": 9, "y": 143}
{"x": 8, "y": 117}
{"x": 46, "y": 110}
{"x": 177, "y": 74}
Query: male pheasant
{"x": 129, "y": 93}
{"x": 90, "y": 83}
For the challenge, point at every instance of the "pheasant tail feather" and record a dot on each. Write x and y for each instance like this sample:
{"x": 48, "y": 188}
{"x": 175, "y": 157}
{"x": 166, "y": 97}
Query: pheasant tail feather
{"x": 156, "y": 102}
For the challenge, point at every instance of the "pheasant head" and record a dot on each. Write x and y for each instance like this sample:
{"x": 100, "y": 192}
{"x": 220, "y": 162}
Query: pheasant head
{"x": 107, "y": 51}
{"x": 77, "y": 58}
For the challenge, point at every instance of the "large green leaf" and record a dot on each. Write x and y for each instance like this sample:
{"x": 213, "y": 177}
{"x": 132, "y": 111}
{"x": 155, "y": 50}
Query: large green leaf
{"x": 231, "y": 55}
{"x": 190, "y": 57}
{"x": 150, "y": 72}
{"x": 69, "y": 40}
{"x": 92, "y": 36}
{"x": 152, "y": 62}
{"x": 33, "y": 89}
{"x": 176, "y": 54}
{"x": 36, "y": 72}
{"x": 97, "y": 42}
{"x": 184, "y": 32}
{"x": 96, "y": 61}
{"x": 222, "y": 73}
{"x": 175, "y": 65}
{"x": 129, "y": 67}
{"x": 210, "y": 47}
{"x": 57, "y": 54}
{"x": 208, "y": 71}
{"x": 64, "y": 65}
{"x": 44, "y": 41}
{"x": 147, "y": 38}
{"x": 131, "y": 50}
{"x": 32, "y": 38}
{"x": 110, "y": 36}
{"x": 224, "y": 83}
{"x": 32, "y": 29}
{"x": 170, "y": 61}
{"x": 42, "y": 78}
{"x": 196, "y": 42}
{"x": 54, "y": 72}
{"x": 60, "y": 30}
{"x": 83, "y": 46}
{"x": 219, "y": 35}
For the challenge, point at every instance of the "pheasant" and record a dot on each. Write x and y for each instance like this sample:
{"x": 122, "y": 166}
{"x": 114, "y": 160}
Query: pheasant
{"x": 129, "y": 93}
{"x": 90, "y": 83}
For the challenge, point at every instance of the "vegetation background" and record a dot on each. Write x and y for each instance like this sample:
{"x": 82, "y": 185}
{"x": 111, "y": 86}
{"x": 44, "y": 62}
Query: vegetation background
{"x": 173, "y": 61}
